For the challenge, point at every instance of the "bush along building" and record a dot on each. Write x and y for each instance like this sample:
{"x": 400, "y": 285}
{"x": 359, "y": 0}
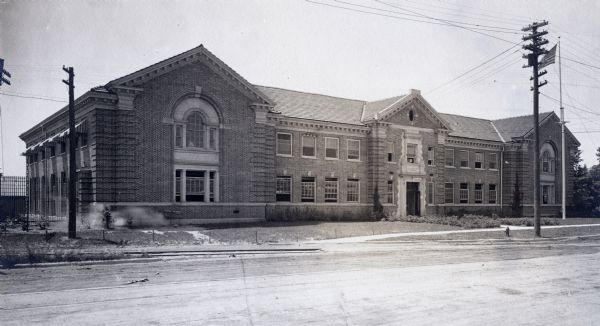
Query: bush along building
{"x": 190, "y": 138}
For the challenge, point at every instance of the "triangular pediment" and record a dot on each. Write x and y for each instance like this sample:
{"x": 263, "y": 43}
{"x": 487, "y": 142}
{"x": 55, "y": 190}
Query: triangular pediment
{"x": 193, "y": 56}
{"x": 413, "y": 110}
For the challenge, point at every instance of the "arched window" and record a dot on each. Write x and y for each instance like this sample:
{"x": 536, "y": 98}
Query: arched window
{"x": 546, "y": 162}
{"x": 194, "y": 130}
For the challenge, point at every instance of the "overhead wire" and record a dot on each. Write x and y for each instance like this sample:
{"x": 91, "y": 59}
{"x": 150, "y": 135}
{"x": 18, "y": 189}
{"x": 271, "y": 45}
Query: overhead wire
{"x": 497, "y": 29}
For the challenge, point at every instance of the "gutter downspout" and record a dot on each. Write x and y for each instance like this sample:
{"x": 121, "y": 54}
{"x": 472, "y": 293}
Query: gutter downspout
{"x": 502, "y": 182}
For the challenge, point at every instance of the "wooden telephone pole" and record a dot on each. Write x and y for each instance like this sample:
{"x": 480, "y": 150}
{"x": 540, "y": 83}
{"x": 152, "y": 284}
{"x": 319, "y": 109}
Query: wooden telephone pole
{"x": 535, "y": 48}
{"x": 72, "y": 145}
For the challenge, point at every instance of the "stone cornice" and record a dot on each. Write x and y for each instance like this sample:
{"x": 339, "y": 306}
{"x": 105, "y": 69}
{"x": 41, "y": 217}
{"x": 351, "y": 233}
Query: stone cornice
{"x": 473, "y": 143}
{"x": 82, "y": 102}
{"x": 311, "y": 125}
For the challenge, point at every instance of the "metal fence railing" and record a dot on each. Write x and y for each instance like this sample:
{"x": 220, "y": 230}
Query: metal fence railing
{"x": 13, "y": 200}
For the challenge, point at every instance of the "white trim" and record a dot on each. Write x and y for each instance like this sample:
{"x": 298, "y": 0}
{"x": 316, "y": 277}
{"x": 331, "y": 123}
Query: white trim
{"x": 460, "y": 161}
{"x": 358, "y": 189}
{"x": 337, "y": 150}
{"x": 314, "y": 146}
{"x": 453, "y": 158}
{"x": 348, "y": 149}
{"x": 291, "y": 144}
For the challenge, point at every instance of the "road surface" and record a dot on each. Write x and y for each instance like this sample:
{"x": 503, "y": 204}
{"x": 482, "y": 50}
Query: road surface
{"x": 551, "y": 282}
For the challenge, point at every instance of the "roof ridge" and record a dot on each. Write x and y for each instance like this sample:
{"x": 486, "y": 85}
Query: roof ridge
{"x": 387, "y": 98}
{"x": 466, "y": 116}
{"x": 523, "y": 116}
{"x": 311, "y": 93}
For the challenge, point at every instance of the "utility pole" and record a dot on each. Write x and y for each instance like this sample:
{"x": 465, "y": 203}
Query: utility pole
{"x": 72, "y": 145}
{"x": 535, "y": 48}
{"x": 4, "y": 75}
{"x": 563, "y": 148}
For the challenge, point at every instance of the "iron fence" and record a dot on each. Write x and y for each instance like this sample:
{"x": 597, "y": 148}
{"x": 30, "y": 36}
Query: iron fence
{"x": 14, "y": 205}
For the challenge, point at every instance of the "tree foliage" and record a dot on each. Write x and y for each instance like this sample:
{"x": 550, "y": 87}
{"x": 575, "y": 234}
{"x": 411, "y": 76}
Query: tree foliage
{"x": 586, "y": 187}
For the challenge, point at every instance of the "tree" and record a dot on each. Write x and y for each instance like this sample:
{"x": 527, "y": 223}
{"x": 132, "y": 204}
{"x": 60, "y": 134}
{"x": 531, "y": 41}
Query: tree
{"x": 586, "y": 187}
{"x": 517, "y": 208}
{"x": 377, "y": 207}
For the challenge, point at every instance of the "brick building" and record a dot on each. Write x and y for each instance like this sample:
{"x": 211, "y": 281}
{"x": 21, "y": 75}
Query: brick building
{"x": 191, "y": 138}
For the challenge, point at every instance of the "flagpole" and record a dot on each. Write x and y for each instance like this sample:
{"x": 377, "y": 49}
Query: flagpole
{"x": 562, "y": 135}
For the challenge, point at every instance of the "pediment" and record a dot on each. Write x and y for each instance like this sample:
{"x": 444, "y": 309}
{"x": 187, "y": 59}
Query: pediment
{"x": 413, "y": 111}
{"x": 196, "y": 55}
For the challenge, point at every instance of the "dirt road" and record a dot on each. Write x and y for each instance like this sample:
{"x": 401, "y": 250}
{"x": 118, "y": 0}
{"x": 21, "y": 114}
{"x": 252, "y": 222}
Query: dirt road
{"x": 404, "y": 283}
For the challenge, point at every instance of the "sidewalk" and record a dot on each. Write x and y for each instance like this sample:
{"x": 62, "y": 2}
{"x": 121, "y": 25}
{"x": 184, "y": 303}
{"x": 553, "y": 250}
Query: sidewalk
{"x": 518, "y": 232}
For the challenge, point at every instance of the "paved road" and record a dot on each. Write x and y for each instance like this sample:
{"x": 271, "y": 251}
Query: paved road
{"x": 420, "y": 282}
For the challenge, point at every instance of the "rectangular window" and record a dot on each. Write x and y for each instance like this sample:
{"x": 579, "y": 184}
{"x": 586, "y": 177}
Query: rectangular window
{"x": 83, "y": 139}
{"x": 430, "y": 156}
{"x": 283, "y": 189}
{"x": 211, "y": 186}
{"x": 463, "y": 158}
{"x": 478, "y": 193}
{"x": 354, "y": 149}
{"x": 411, "y": 153}
{"x": 493, "y": 159}
{"x": 353, "y": 190}
{"x": 547, "y": 194}
{"x": 390, "y": 151}
{"x": 331, "y": 190}
{"x": 332, "y": 146}
{"x": 212, "y": 138}
{"x": 178, "y": 185}
{"x": 284, "y": 144}
{"x": 478, "y": 160}
{"x": 52, "y": 151}
{"x": 194, "y": 186}
{"x": 430, "y": 192}
{"x": 463, "y": 194}
{"x": 43, "y": 154}
{"x": 63, "y": 147}
{"x": 449, "y": 157}
{"x": 492, "y": 194}
{"x": 178, "y": 136}
{"x": 449, "y": 193}
{"x": 308, "y": 189}
{"x": 308, "y": 146}
{"x": 390, "y": 192}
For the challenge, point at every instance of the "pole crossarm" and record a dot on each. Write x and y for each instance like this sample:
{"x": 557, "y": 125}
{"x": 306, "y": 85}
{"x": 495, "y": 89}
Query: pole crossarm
{"x": 536, "y": 49}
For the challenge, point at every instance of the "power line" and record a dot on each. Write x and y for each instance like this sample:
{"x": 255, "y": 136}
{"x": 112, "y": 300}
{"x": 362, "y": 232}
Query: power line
{"x": 449, "y": 24}
{"x": 33, "y": 97}
{"x": 407, "y": 19}
{"x": 478, "y": 26}
{"x": 581, "y": 63}
{"x": 472, "y": 69}
{"x": 570, "y": 105}
{"x": 453, "y": 12}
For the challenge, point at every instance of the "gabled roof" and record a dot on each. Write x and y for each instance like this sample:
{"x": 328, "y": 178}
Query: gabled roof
{"x": 518, "y": 126}
{"x": 311, "y": 106}
{"x": 468, "y": 127}
{"x": 174, "y": 62}
{"x": 374, "y": 108}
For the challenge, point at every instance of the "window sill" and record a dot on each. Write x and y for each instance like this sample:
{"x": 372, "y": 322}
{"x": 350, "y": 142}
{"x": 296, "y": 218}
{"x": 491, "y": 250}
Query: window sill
{"x": 465, "y": 167}
{"x": 195, "y": 150}
{"x": 285, "y": 155}
{"x": 450, "y": 166}
{"x": 349, "y": 160}
{"x": 310, "y": 157}
{"x": 331, "y": 158}
{"x": 493, "y": 169}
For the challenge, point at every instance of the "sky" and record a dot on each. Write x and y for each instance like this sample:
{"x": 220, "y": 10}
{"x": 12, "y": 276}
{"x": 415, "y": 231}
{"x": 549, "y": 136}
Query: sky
{"x": 368, "y": 51}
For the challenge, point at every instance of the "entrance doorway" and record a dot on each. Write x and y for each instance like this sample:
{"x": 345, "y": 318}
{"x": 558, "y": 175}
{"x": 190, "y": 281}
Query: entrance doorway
{"x": 413, "y": 199}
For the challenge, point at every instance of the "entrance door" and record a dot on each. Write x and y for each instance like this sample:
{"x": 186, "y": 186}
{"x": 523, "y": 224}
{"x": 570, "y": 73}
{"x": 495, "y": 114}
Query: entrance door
{"x": 413, "y": 199}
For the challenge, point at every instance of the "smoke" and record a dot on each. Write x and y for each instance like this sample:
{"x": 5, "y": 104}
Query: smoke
{"x": 138, "y": 216}
{"x": 122, "y": 217}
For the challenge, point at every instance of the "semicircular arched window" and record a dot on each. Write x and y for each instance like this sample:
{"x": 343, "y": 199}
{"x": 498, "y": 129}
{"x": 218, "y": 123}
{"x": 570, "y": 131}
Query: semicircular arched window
{"x": 195, "y": 130}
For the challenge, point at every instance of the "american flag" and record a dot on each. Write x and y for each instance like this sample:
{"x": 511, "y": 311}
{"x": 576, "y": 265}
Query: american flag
{"x": 548, "y": 58}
